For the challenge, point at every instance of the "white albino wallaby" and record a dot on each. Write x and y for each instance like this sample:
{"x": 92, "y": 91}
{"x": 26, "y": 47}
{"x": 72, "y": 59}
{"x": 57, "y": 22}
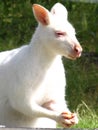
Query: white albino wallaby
{"x": 32, "y": 79}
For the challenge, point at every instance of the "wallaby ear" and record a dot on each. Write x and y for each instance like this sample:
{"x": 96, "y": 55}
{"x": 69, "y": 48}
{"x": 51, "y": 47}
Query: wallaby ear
{"x": 59, "y": 10}
{"x": 41, "y": 14}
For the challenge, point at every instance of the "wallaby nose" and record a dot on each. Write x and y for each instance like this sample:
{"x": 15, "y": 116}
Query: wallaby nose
{"x": 77, "y": 50}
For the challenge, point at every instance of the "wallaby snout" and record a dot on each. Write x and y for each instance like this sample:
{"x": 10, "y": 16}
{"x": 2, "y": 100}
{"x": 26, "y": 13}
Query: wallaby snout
{"x": 77, "y": 51}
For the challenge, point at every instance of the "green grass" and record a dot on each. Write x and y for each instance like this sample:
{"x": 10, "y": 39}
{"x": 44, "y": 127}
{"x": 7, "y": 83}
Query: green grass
{"x": 82, "y": 90}
{"x": 87, "y": 117}
{"x": 82, "y": 82}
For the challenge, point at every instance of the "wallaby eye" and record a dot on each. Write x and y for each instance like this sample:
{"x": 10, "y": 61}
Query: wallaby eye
{"x": 60, "y": 33}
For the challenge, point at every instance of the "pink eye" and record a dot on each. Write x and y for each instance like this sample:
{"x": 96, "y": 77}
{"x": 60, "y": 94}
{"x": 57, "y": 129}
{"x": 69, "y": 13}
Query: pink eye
{"x": 60, "y": 34}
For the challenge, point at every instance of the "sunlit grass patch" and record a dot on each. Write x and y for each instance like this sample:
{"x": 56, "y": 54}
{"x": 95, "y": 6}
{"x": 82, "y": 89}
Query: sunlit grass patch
{"x": 88, "y": 118}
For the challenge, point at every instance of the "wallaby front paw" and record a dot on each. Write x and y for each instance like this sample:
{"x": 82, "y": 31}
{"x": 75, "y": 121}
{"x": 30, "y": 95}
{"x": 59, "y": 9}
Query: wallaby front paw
{"x": 68, "y": 119}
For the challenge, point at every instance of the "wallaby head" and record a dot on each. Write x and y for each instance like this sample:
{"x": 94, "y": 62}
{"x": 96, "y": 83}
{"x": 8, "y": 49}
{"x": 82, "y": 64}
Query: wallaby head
{"x": 56, "y": 32}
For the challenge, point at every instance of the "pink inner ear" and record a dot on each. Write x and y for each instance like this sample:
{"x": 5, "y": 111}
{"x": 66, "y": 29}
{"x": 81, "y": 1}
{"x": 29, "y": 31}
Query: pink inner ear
{"x": 43, "y": 19}
{"x": 60, "y": 33}
{"x": 41, "y": 14}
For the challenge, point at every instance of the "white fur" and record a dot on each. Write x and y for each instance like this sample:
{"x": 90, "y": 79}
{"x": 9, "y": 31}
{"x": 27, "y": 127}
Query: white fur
{"x": 32, "y": 78}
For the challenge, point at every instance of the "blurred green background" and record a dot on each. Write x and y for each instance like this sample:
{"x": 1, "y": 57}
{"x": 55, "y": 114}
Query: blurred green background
{"x": 17, "y": 24}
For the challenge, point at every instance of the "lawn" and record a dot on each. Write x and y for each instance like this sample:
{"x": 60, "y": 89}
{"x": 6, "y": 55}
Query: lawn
{"x": 88, "y": 118}
{"x": 82, "y": 90}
